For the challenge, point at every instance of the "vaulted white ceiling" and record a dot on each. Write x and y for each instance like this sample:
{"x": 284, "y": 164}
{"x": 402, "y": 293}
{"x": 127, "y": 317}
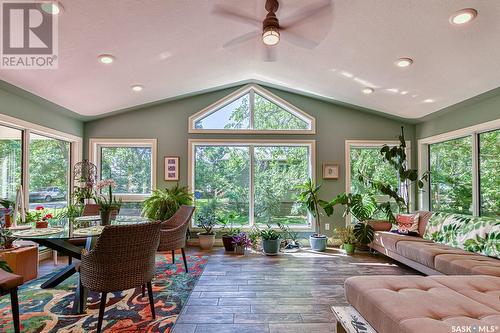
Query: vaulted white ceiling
{"x": 176, "y": 47}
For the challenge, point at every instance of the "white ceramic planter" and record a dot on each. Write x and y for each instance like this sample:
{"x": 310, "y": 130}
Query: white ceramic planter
{"x": 206, "y": 241}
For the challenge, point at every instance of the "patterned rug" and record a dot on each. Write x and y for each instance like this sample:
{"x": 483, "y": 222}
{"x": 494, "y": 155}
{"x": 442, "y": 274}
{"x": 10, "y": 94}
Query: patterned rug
{"x": 49, "y": 310}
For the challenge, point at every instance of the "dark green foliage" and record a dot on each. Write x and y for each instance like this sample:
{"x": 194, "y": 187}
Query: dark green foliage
{"x": 163, "y": 204}
{"x": 308, "y": 197}
{"x": 269, "y": 234}
{"x": 5, "y": 267}
{"x": 364, "y": 233}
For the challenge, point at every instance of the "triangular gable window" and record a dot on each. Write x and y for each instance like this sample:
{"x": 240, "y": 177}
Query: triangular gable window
{"x": 251, "y": 109}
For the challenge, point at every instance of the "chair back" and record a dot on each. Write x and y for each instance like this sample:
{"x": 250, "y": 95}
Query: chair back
{"x": 173, "y": 231}
{"x": 123, "y": 257}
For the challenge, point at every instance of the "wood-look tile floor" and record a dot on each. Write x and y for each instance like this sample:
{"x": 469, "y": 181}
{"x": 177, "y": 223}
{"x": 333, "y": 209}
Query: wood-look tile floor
{"x": 289, "y": 293}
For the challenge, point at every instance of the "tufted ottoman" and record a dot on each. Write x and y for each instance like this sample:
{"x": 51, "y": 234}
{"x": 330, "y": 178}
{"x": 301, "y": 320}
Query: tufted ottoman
{"x": 393, "y": 304}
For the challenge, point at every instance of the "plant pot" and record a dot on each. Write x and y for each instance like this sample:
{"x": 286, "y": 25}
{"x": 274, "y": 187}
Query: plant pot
{"x": 41, "y": 224}
{"x": 271, "y": 246}
{"x": 349, "y": 248}
{"x": 239, "y": 249}
{"x": 318, "y": 243}
{"x": 206, "y": 241}
{"x": 228, "y": 243}
{"x": 105, "y": 217}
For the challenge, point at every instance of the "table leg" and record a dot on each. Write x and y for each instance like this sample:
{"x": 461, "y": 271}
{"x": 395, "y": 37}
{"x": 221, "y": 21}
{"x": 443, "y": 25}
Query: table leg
{"x": 59, "y": 277}
{"x": 80, "y": 302}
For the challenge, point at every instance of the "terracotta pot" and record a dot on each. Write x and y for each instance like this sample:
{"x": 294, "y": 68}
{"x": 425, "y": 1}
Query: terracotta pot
{"x": 228, "y": 243}
{"x": 206, "y": 241}
{"x": 42, "y": 224}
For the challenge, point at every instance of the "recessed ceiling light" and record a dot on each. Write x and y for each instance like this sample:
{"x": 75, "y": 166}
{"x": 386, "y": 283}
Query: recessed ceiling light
{"x": 368, "y": 91}
{"x": 52, "y": 8}
{"x": 404, "y": 62}
{"x": 428, "y": 100}
{"x": 404, "y": 92}
{"x": 137, "y": 87}
{"x": 463, "y": 16}
{"x": 106, "y": 59}
{"x": 347, "y": 74}
{"x": 393, "y": 90}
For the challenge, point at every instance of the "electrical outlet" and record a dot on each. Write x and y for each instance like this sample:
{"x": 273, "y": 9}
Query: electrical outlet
{"x": 327, "y": 226}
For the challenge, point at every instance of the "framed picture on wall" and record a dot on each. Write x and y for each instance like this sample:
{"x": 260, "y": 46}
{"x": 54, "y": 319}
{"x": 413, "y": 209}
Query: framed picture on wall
{"x": 172, "y": 167}
{"x": 331, "y": 171}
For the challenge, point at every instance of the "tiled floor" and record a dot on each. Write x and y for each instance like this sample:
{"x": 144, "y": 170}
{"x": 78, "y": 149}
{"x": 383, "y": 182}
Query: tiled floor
{"x": 287, "y": 293}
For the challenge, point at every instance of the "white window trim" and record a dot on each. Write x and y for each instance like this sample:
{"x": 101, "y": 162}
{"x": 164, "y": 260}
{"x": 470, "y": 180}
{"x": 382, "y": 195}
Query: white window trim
{"x": 367, "y": 144}
{"x": 311, "y": 144}
{"x": 423, "y": 159}
{"x": 94, "y": 156}
{"x": 252, "y": 89}
{"x": 76, "y": 144}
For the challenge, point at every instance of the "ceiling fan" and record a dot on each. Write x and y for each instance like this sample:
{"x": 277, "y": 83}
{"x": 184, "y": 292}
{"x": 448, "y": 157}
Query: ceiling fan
{"x": 273, "y": 31}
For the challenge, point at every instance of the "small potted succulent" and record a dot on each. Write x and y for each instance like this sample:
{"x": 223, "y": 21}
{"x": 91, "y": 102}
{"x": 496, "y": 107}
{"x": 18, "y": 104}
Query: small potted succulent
{"x": 229, "y": 233}
{"x": 241, "y": 242}
{"x": 271, "y": 241}
{"x": 206, "y": 219}
{"x": 348, "y": 239}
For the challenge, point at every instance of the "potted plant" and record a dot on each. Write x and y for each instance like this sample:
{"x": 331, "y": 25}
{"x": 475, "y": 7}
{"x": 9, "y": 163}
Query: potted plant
{"x": 162, "y": 204}
{"x": 107, "y": 205}
{"x": 348, "y": 239}
{"x": 229, "y": 233}
{"x": 362, "y": 207}
{"x": 291, "y": 238}
{"x": 241, "y": 242}
{"x": 206, "y": 219}
{"x": 6, "y": 238}
{"x": 6, "y": 212}
{"x": 309, "y": 198}
{"x": 40, "y": 218}
{"x": 271, "y": 241}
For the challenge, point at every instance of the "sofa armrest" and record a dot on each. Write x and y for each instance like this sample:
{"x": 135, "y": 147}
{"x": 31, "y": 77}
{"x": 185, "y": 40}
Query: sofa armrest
{"x": 380, "y": 225}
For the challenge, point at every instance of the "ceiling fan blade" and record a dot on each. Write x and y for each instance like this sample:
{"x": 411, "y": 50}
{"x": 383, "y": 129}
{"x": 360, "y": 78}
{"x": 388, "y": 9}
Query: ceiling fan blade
{"x": 235, "y": 15}
{"x": 270, "y": 53}
{"x": 241, "y": 39}
{"x": 298, "y": 40}
{"x": 306, "y": 13}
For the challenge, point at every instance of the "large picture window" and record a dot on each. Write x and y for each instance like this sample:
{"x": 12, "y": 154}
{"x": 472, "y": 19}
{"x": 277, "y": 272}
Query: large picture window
{"x": 130, "y": 163}
{"x": 463, "y": 167}
{"x": 10, "y": 161}
{"x": 253, "y": 181}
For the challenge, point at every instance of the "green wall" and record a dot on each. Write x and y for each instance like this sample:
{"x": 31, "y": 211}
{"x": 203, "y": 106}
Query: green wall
{"x": 168, "y": 122}
{"x": 477, "y": 110}
{"x": 21, "y": 104}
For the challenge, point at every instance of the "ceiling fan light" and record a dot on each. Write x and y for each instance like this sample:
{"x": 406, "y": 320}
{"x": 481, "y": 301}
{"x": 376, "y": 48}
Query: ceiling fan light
{"x": 271, "y": 36}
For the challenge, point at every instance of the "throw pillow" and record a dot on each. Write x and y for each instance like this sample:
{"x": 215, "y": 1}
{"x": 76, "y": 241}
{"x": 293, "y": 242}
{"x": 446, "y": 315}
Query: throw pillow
{"x": 407, "y": 223}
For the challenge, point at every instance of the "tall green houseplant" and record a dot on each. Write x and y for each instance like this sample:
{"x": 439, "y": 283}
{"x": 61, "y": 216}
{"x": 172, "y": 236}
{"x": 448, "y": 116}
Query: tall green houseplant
{"x": 309, "y": 197}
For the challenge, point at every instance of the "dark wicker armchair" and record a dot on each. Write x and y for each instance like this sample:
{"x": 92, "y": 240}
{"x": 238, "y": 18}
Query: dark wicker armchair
{"x": 173, "y": 232}
{"x": 123, "y": 258}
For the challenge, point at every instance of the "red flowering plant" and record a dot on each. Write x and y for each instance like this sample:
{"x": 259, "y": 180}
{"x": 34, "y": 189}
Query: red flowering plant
{"x": 38, "y": 215}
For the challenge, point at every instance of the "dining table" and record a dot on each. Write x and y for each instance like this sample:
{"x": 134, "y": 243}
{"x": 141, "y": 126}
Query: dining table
{"x": 70, "y": 236}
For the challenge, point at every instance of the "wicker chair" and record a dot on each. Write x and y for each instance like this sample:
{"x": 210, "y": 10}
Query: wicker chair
{"x": 173, "y": 232}
{"x": 123, "y": 258}
{"x": 8, "y": 285}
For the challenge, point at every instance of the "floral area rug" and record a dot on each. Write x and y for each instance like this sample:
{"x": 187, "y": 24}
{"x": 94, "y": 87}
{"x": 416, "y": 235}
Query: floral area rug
{"x": 49, "y": 310}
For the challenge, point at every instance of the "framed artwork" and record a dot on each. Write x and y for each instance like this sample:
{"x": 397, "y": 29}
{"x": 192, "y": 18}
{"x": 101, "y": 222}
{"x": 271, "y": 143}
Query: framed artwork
{"x": 331, "y": 171}
{"x": 172, "y": 167}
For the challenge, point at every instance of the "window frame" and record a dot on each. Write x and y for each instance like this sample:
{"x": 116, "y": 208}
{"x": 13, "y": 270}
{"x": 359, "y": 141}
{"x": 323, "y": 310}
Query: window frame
{"x": 95, "y": 145}
{"x": 372, "y": 144}
{"x": 251, "y": 89}
{"x": 424, "y": 160}
{"x": 311, "y": 144}
{"x": 27, "y": 128}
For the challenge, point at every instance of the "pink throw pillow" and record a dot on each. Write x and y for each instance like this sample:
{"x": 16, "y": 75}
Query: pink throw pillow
{"x": 407, "y": 223}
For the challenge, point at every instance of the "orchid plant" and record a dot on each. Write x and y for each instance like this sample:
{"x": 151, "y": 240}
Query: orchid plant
{"x": 106, "y": 204}
{"x": 242, "y": 239}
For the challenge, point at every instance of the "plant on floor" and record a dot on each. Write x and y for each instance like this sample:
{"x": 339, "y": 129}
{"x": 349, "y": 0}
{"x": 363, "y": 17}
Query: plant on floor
{"x": 228, "y": 233}
{"x": 271, "y": 240}
{"x": 309, "y": 198}
{"x": 290, "y": 237}
{"x": 241, "y": 242}
{"x": 162, "y": 204}
{"x": 396, "y": 156}
{"x": 206, "y": 218}
{"x": 362, "y": 207}
{"x": 348, "y": 239}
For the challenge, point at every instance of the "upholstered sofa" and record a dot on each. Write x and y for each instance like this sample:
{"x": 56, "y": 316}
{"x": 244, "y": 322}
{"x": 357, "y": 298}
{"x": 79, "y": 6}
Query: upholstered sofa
{"x": 449, "y": 244}
{"x": 416, "y": 304}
